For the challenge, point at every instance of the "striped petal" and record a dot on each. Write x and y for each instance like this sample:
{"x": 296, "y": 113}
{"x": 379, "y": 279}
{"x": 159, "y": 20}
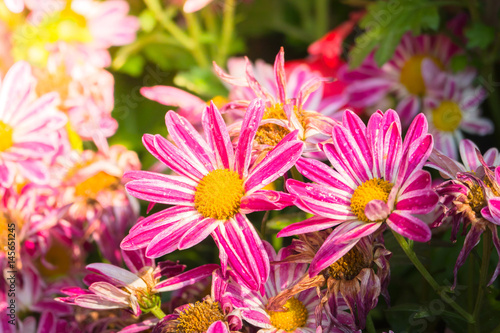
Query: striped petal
{"x": 218, "y": 137}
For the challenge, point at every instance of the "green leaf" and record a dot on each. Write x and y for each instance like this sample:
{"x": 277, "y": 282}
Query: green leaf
{"x": 360, "y": 51}
{"x": 387, "y": 47}
{"x": 479, "y": 35}
{"x": 134, "y": 65}
{"x": 201, "y": 81}
{"x": 459, "y": 62}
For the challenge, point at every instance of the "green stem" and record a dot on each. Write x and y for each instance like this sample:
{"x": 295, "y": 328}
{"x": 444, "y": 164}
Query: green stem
{"x": 194, "y": 28}
{"x": 158, "y": 313}
{"x": 211, "y": 26}
{"x": 227, "y": 31}
{"x": 473, "y": 9}
{"x": 470, "y": 290}
{"x": 370, "y": 327}
{"x": 322, "y": 11}
{"x": 428, "y": 277}
{"x": 263, "y": 226}
{"x": 166, "y": 21}
{"x": 483, "y": 277}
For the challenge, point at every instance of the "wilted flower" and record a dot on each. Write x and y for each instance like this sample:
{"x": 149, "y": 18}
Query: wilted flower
{"x": 212, "y": 192}
{"x": 136, "y": 289}
{"x": 378, "y": 180}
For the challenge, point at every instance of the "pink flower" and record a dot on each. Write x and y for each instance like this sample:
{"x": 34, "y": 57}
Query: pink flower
{"x": 297, "y": 315}
{"x": 136, "y": 289}
{"x": 402, "y": 75}
{"x": 191, "y": 6}
{"x": 378, "y": 180}
{"x": 27, "y": 127}
{"x": 90, "y": 27}
{"x": 292, "y": 105}
{"x": 214, "y": 189}
{"x": 451, "y": 106}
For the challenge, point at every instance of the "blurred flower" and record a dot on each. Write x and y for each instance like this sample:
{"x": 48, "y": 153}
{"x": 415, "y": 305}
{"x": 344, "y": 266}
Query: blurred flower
{"x": 378, "y": 178}
{"x": 100, "y": 206}
{"x": 90, "y": 27}
{"x": 212, "y": 192}
{"x": 451, "y": 105}
{"x": 297, "y": 314}
{"x": 191, "y": 6}
{"x": 289, "y": 107}
{"x": 402, "y": 75}
{"x": 27, "y": 126}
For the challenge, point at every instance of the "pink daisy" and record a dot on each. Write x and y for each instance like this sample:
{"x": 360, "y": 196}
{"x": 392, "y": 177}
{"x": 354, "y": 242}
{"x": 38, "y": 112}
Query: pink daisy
{"x": 27, "y": 127}
{"x": 452, "y": 106}
{"x": 298, "y": 314}
{"x": 378, "y": 178}
{"x": 214, "y": 189}
{"x": 293, "y": 102}
{"x": 402, "y": 75}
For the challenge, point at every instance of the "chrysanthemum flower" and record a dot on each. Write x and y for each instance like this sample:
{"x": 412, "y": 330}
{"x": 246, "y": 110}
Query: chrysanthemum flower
{"x": 289, "y": 106}
{"x": 89, "y": 26}
{"x": 136, "y": 289}
{"x": 451, "y": 106}
{"x": 402, "y": 75}
{"x": 27, "y": 127}
{"x": 214, "y": 189}
{"x": 297, "y": 315}
{"x": 467, "y": 197}
{"x": 356, "y": 280}
{"x": 378, "y": 180}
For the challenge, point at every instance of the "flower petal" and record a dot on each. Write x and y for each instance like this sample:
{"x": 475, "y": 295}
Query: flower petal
{"x": 409, "y": 226}
{"x": 218, "y": 137}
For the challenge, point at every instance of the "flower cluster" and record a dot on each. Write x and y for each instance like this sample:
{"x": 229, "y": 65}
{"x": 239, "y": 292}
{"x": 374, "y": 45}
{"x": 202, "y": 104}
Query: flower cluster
{"x": 284, "y": 189}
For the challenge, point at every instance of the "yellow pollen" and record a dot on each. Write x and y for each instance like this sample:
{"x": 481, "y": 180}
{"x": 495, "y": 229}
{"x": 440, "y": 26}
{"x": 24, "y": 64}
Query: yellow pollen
{"x": 373, "y": 189}
{"x": 349, "y": 266}
{"x": 4, "y": 234}
{"x": 60, "y": 257}
{"x": 411, "y": 74}
{"x": 476, "y": 198}
{"x": 447, "y": 116}
{"x": 11, "y": 225}
{"x": 197, "y": 318}
{"x": 294, "y": 317}
{"x": 95, "y": 184}
{"x": 218, "y": 195}
{"x": 6, "y": 140}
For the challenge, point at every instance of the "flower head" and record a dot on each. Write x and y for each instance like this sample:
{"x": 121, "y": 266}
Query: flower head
{"x": 378, "y": 180}
{"x": 213, "y": 190}
{"x": 27, "y": 127}
{"x": 298, "y": 313}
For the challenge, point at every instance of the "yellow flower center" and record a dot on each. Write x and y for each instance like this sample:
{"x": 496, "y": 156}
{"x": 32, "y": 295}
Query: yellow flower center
{"x": 447, "y": 116}
{"x": 272, "y": 134}
{"x": 295, "y": 316}
{"x": 197, "y": 318}
{"x": 65, "y": 25}
{"x": 219, "y": 101}
{"x": 349, "y": 266}
{"x": 95, "y": 184}
{"x": 60, "y": 257}
{"x": 476, "y": 198}
{"x": 4, "y": 222}
{"x": 218, "y": 195}
{"x": 373, "y": 189}
{"x": 10, "y": 228}
{"x": 6, "y": 140}
{"x": 411, "y": 74}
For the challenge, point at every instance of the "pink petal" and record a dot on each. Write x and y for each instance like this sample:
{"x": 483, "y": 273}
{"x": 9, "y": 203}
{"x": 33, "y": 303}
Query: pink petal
{"x": 170, "y": 190}
{"x": 218, "y": 327}
{"x": 187, "y": 278}
{"x": 218, "y": 137}
{"x": 265, "y": 200}
{"x": 198, "y": 233}
{"x": 321, "y": 173}
{"x": 409, "y": 226}
{"x": 274, "y": 165}
{"x": 249, "y": 127}
{"x": 312, "y": 224}
{"x": 377, "y": 210}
